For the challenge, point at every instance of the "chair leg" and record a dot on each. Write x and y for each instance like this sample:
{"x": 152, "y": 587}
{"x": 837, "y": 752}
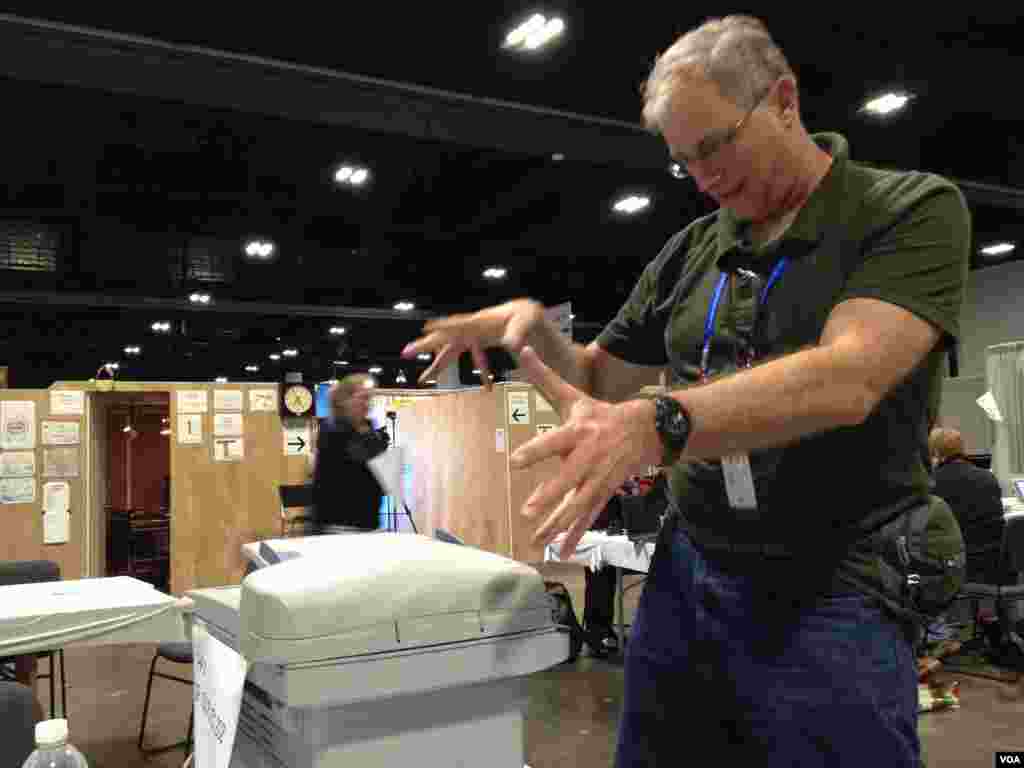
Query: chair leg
{"x": 191, "y": 723}
{"x": 145, "y": 704}
{"x": 53, "y": 690}
{"x": 63, "y": 686}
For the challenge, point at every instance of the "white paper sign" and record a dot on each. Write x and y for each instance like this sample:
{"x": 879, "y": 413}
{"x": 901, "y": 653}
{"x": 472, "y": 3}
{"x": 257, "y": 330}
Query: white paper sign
{"x": 227, "y": 400}
{"x": 56, "y": 520}
{"x": 61, "y": 432}
{"x": 296, "y": 440}
{"x": 227, "y": 424}
{"x": 262, "y": 400}
{"x": 499, "y": 440}
{"x": 67, "y": 402}
{"x": 60, "y": 462}
{"x": 192, "y": 401}
{"x": 20, "y": 490}
{"x": 218, "y": 675}
{"x": 388, "y": 469}
{"x": 228, "y": 449}
{"x": 989, "y": 405}
{"x": 542, "y": 404}
{"x": 190, "y": 429}
{"x": 518, "y": 407}
{"x": 18, "y": 425}
{"x": 18, "y": 464}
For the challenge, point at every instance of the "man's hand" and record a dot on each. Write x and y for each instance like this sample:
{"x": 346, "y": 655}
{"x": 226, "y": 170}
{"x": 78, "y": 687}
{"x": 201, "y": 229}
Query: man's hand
{"x": 447, "y": 338}
{"x": 600, "y": 445}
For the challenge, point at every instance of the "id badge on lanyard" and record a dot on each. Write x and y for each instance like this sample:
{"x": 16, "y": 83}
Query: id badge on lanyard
{"x": 739, "y": 478}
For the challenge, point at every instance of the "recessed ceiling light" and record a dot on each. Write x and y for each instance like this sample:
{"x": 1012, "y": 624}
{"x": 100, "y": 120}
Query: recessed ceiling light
{"x": 405, "y": 306}
{"x": 677, "y": 171}
{"x": 400, "y": 378}
{"x": 558, "y": 157}
{"x": 290, "y": 352}
{"x": 221, "y": 380}
{"x": 376, "y": 370}
{"x": 200, "y": 297}
{"x": 338, "y": 331}
{"x": 341, "y": 362}
{"x": 252, "y": 368}
{"x": 275, "y": 357}
{"x": 534, "y": 33}
{"x": 133, "y": 350}
{"x": 352, "y": 175}
{"x": 632, "y": 204}
{"x": 161, "y": 327}
{"x": 423, "y": 356}
{"x": 999, "y": 249}
{"x": 887, "y": 103}
{"x": 259, "y": 250}
{"x": 495, "y": 273}
{"x": 476, "y": 371}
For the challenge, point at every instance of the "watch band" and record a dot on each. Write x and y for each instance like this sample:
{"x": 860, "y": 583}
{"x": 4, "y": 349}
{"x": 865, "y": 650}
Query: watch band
{"x": 673, "y": 425}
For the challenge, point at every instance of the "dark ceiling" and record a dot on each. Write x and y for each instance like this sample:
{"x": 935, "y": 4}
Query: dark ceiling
{"x": 144, "y": 163}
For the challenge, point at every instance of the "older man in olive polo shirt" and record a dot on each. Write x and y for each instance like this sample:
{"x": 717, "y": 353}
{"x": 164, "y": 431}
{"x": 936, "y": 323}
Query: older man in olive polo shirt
{"x": 803, "y": 326}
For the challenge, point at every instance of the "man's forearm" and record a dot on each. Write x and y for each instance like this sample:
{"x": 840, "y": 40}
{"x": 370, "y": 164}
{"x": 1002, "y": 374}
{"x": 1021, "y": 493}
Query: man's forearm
{"x": 566, "y": 359}
{"x": 773, "y": 404}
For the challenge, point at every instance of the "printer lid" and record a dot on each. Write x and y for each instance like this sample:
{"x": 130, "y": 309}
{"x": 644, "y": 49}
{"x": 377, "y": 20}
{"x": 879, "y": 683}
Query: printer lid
{"x": 377, "y": 592}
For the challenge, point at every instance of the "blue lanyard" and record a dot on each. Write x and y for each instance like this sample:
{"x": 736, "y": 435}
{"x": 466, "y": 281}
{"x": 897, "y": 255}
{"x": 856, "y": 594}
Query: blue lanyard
{"x": 716, "y": 298}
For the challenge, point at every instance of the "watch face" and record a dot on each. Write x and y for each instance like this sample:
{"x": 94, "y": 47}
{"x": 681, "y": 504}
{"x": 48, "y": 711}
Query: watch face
{"x": 298, "y": 400}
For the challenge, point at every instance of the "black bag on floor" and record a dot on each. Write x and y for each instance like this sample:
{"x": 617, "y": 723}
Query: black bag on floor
{"x": 562, "y": 613}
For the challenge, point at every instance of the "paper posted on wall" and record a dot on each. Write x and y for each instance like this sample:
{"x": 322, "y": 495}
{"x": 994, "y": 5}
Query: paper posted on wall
{"x": 990, "y": 406}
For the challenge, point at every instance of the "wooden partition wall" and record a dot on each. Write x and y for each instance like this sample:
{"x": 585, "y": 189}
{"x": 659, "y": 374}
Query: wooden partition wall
{"x": 458, "y": 444}
{"x": 22, "y": 537}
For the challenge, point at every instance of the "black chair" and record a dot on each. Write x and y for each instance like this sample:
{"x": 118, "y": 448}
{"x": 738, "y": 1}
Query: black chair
{"x": 295, "y": 497}
{"x": 179, "y": 653}
{"x": 13, "y": 572}
{"x": 1009, "y": 589}
{"x": 19, "y": 713}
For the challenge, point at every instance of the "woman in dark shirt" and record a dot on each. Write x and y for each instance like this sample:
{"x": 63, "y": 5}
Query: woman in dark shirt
{"x": 346, "y": 493}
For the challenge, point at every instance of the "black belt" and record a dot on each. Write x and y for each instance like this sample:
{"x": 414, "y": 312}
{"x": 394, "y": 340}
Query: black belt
{"x": 719, "y": 543}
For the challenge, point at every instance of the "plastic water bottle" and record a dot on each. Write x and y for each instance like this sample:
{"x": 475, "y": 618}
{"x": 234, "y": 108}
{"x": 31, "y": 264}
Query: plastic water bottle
{"x": 53, "y": 750}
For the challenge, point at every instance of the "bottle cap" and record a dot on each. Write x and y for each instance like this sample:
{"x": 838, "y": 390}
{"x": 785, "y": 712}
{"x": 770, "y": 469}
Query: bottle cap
{"x": 51, "y": 733}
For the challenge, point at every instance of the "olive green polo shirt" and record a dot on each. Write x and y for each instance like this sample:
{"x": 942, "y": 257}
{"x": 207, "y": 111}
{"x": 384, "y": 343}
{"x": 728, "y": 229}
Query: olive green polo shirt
{"x": 898, "y": 237}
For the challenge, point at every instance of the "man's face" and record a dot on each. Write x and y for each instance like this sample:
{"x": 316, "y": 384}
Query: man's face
{"x": 358, "y": 406}
{"x": 750, "y": 174}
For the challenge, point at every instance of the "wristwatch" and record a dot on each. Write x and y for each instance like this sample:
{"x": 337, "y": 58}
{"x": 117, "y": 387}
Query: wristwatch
{"x": 673, "y": 425}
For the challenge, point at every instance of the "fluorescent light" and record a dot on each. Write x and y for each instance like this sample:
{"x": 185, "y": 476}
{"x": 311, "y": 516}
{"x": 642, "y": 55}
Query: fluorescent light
{"x": 887, "y": 103}
{"x": 259, "y": 249}
{"x": 290, "y": 352}
{"x": 536, "y": 32}
{"x": 405, "y": 306}
{"x": 495, "y": 273}
{"x": 999, "y": 249}
{"x": 632, "y": 204}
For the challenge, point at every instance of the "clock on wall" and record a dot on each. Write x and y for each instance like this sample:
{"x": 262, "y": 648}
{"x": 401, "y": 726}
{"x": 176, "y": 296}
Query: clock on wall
{"x": 296, "y": 400}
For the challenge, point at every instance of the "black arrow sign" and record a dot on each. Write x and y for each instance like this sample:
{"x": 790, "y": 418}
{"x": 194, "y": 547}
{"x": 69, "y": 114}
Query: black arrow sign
{"x": 298, "y": 442}
{"x": 517, "y": 415}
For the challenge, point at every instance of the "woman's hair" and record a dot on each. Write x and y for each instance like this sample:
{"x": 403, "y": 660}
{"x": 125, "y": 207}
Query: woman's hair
{"x": 344, "y": 389}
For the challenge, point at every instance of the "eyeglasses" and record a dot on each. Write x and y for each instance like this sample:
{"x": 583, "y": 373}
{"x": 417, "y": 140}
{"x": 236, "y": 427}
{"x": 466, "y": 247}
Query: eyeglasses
{"x": 713, "y": 143}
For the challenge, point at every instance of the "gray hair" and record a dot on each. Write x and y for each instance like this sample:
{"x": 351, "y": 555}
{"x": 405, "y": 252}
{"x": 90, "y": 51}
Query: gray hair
{"x": 736, "y": 53}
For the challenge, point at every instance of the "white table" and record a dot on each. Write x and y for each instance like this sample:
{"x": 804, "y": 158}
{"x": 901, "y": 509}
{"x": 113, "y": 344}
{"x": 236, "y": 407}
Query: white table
{"x": 597, "y": 549}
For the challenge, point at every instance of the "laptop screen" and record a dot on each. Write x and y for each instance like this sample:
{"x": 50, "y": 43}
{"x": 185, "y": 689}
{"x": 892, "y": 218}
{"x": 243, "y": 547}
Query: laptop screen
{"x": 1018, "y": 485}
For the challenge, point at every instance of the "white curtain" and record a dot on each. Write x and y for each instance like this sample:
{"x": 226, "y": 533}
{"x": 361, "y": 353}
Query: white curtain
{"x": 1004, "y": 376}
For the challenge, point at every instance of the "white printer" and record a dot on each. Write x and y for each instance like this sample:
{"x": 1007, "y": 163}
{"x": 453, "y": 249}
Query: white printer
{"x": 385, "y": 650}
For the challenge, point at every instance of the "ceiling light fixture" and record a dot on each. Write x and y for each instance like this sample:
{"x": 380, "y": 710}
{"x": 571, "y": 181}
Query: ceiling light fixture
{"x": 430, "y": 381}
{"x": 405, "y": 306}
{"x": 376, "y": 370}
{"x": 400, "y": 378}
{"x": 221, "y": 380}
{"x": 887, "y": 103}
{"x": 352, "y": 176}
{"x": 534, "y": 33}
{"x": 275, "y": 357}
{"x": 338, "y": 331}
{"x": 200, "y": 297}
{"x": 252, "y": 369}
{"x": 558, "y": 157}
{"x": 133, "y": 350}
{"x": 160, "y": 327}
{"x": 259, "y": 250}
{"x": 423, "y": 356}
{"x": 495, "y": 273}
{"x": 632, "y": 204}
{"x": 290, "y": 352}
{"x": 999, "y": 249}
{"x": 341, "y": 362}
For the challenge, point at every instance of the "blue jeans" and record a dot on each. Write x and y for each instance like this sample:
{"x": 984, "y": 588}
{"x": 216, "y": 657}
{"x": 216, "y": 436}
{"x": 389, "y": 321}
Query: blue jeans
{"x": 718, "y": 667}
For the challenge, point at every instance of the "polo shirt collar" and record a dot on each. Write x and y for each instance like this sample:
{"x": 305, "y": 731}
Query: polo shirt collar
{"x": 820, "y": 214}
